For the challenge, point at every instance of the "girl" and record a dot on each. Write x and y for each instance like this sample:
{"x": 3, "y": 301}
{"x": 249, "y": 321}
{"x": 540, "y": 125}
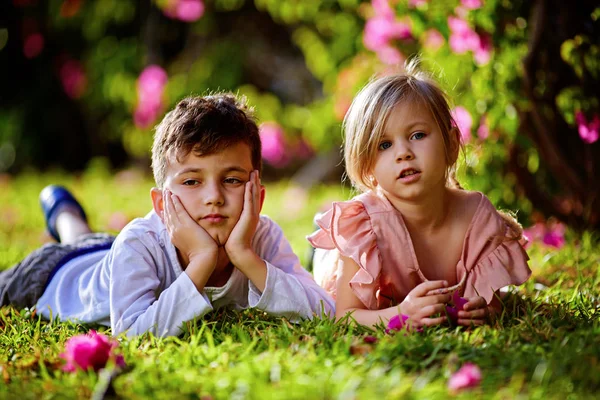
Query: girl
{"x": 414, "y": 236}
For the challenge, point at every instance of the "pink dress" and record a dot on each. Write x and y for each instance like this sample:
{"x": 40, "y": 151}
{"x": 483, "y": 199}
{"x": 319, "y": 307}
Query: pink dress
{"x": 370, "y": 231}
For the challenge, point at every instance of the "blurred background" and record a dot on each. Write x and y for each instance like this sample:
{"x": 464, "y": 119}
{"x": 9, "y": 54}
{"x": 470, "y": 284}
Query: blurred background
{"x": 83, "y": 83}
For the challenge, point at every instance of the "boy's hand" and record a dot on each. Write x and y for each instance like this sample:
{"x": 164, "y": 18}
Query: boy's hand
{"x": 240, "y": 239}
{"x": 420, "y": 307}
{"x": 192, "y": 241}
{"x": 474, "y": 312}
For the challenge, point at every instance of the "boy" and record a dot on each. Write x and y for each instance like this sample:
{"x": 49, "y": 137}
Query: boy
{"x": 203, "y": 246}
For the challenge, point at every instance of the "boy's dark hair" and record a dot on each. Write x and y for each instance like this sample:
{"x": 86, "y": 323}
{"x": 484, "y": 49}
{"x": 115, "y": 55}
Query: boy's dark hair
{"x": 204, "y": 125}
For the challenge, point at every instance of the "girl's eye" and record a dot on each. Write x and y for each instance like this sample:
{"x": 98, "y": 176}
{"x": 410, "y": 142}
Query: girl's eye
{"x": 190, "y": 182}
{"x": 418, "y": 135}
{"x": 385, "y": 145}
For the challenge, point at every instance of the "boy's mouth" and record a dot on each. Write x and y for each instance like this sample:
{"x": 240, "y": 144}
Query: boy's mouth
{"x": 214, "y": 218}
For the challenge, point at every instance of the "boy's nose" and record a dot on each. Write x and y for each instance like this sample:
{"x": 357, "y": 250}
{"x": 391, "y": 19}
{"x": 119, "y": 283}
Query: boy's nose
{"x": 213, "y": 195}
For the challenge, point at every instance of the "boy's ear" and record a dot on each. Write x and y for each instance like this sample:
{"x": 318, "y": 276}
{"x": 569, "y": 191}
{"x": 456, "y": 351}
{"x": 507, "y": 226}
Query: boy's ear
{"x": 157, "y": 201}
{"x": 263, "y": 192}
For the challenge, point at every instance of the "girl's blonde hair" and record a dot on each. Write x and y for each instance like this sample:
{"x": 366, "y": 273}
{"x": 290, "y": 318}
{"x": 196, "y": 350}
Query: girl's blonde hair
{"x": 366, "y": 119}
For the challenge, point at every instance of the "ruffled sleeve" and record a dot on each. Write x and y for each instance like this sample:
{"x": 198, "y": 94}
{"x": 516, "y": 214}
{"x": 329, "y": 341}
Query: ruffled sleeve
{"x": 492, "y": 258}
{"x": 347, "y": 228}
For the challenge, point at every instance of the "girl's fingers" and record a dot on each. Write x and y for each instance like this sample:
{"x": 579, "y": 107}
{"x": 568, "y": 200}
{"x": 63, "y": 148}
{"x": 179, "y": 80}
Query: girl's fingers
{"x": 425, "y": 287}
{"x": 433, "y": 321}
{"x": 475, "y": 314}
{"x": 475, "y": 303}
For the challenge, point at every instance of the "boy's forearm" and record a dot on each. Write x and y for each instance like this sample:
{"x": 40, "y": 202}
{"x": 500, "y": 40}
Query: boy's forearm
{"x": 252, "y": 266}
{"x": 199, "y": 270}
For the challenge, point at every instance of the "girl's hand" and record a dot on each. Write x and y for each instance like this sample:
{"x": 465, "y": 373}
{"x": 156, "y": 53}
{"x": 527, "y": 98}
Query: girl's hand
{"x": 474, "y": 312}
{"x": 420, "y": 306}
{"x": 190, "y": 239}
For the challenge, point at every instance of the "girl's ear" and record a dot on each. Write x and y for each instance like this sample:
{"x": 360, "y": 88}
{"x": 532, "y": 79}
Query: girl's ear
{"x": 453, "y": 145}
{"x": 157, "y": 201}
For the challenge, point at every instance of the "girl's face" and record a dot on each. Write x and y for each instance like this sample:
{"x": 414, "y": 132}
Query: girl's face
{"x": 411, "y": 159}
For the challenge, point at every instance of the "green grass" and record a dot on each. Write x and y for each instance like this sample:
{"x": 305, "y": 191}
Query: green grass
{"x": 547, "y": 346}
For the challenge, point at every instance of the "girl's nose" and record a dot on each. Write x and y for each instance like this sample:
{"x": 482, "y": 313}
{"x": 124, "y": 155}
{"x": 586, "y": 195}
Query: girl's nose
{"x": 404, "y": 153}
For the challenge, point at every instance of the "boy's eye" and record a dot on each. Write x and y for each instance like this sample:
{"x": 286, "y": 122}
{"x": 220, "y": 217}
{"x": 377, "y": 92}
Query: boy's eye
{"x": 233, "y": 181}
{"x": 418, "y": 135}
{"x": 190, "y": 182}
{"x": 385, "y": 145}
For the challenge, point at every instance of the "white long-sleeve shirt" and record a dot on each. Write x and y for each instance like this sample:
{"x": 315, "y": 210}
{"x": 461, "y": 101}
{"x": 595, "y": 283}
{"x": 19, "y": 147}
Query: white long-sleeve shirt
{"x": 139, "y": 286}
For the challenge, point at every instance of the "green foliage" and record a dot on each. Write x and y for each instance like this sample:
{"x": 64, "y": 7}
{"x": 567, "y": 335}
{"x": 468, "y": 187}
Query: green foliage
{"x": 546, "y": 346}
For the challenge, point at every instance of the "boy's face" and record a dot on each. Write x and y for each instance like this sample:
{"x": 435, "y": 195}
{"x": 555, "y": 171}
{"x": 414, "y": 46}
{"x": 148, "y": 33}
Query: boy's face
{"x": 211, "y": 188}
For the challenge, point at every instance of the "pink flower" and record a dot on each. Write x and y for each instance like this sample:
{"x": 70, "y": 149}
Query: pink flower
{"x": 484, "y": 130}
{"x": 73, "y": 78}
{"x": 396, "y": 323}
{"x": 370, "y": 339}
{"x": 92, "y": 350}
{"x": 555, "y": 235}
{"x": 152, "y": 81}
{"x": 273, "y": 144}
{"x": 381, "y": 30}
{"x": 468, "y": 376}
{"x": 471, "y": 4}
{"x": 483, "y": 51}
{"x": 150, "y": 88}
{"x": 534, "y": 233}
{"x": 459, "y": 304}
{"x": 462, "y": 37}
{"x": 382, "y": 7}
{"x": 433, "y": 40}
{"x": 587, "y": 131}
{"x": 464, "y": 122}
{"x": 33, "y": 45}
{"x": 184, "y": 10}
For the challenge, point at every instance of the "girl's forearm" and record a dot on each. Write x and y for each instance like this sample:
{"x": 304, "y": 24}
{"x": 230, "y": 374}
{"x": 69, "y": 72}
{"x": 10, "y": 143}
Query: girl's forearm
{"x": 369, "y": 317}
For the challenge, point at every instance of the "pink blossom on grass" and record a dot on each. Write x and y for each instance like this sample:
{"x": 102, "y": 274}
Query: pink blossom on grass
{"x": 396, "y": 323}
{"x": 90, "y": 351}
{"x": 73, "y": 78}
{"x": 468, "y": 376}
{"x": 464, "y": 122}
{"x": 370, "y": 339}
{"x": 555, "y": 235}
{"x": 588, "y": 132}
{"x": 471, "y": 4}
{"x": 273, "y": 144}
{"x": 458, "y": 305}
